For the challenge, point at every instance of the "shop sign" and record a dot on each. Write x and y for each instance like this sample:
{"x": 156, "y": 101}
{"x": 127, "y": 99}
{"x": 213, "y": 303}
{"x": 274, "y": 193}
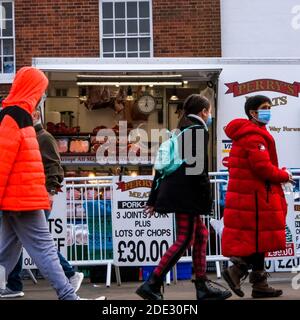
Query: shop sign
{"x": 78, "y": 159}
{"x": 240, "y": 89}
{"x": 281, "y": 85}
{"x": 138, "y": 239}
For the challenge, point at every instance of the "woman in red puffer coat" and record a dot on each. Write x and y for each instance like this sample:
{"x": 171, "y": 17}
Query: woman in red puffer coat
{"x": 256, "y": 208}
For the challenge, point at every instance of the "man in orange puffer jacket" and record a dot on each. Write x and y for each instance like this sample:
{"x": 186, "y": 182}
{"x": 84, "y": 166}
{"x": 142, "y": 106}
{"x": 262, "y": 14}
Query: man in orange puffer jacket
{"x": 23, "y": 195}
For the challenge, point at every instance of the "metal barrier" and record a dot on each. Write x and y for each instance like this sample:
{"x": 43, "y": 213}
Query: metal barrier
{"x": 90, "y": 229}
{"x": 219, "y": 180}
{"x": 89, "y": 224}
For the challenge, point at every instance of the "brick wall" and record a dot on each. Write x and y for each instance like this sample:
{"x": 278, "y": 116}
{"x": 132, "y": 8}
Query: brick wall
{"x": 4, "y": 89}
{"x": 64, "y": 28}
{"x": 187, "y": 28}
{"x": 57, "y": 28}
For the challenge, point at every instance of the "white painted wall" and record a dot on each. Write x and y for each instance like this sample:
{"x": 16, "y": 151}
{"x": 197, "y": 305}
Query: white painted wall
{"x": 260, "y": 28}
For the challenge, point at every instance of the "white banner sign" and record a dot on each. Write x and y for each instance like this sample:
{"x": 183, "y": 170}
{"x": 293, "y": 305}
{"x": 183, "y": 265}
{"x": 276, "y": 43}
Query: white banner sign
{"x": 288, "y": 264}
{"x": 57, "y": 227}
{"x": 290, "y": 250}
{"x": 278, "y": 82}
{"x": 138, "y": 239}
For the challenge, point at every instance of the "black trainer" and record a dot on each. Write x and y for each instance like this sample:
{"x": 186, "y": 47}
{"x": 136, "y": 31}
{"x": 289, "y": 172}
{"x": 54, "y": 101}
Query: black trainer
{"x": 149, "y": 291}
{"x": 206, "y": 291}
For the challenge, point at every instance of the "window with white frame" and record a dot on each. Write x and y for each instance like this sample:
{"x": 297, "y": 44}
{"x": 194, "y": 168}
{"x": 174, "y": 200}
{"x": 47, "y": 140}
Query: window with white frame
{"x": 126, "y": 28}
{"x": 7, "y": 38}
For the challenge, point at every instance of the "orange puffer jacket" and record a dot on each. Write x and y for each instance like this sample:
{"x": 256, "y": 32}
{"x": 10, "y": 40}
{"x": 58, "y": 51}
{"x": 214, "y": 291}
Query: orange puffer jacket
{"x": 22, "y": 179}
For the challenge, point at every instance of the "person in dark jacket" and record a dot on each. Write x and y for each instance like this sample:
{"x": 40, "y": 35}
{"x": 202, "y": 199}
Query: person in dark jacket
{"x": 255, "y": 212}
{"x": 54, "y": 176}
{"x": 186, "y": 192}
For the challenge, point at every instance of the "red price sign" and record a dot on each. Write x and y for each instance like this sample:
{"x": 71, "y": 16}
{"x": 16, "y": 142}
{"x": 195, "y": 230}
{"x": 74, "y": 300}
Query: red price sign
{"x": 289, "y": 251}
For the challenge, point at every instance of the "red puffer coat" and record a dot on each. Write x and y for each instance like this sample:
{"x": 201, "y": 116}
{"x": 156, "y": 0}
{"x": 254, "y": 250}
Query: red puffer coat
{"x": 254, "y": 217}
{"x": 22, "y": 178}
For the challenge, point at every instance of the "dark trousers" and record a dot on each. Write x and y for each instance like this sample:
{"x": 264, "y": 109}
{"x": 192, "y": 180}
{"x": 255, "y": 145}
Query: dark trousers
{"x": 14, "y": 281}
{"x": 256, "y": 261}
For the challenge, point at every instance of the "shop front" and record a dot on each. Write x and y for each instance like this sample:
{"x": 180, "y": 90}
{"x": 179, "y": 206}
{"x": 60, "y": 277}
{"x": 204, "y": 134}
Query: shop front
{"x": 120, "y": 96}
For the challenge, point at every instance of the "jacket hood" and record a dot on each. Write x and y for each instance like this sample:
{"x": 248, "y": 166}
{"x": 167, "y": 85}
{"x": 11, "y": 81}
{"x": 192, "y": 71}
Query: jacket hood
{"x": 27, "y": 89}
{"x": 238, "y": 128}
{"x": 187, "y": 121}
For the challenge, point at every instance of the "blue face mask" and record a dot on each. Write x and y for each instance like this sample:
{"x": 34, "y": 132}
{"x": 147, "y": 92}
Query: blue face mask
{"x": 209, "y": 120}
{"x": 264, "y": 116}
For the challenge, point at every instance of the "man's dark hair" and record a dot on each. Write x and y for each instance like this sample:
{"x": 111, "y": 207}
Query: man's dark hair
{"x": 254, "y": 102}
{"x": 195, "y": 104}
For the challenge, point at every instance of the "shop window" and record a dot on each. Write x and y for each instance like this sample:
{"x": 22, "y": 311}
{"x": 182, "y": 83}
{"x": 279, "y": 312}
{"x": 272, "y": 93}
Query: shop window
{"x": 126, "y": 28}
{"x": 61, "y": 92}
{"x": 7, "y": 38}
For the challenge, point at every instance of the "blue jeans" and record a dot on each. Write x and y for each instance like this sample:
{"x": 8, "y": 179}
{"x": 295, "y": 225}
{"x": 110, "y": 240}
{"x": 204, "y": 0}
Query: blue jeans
{"x": 14, "y": 281}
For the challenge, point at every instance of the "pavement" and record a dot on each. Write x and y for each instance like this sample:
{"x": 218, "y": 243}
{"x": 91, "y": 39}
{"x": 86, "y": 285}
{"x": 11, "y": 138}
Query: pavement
{"x": 183, "y": 290}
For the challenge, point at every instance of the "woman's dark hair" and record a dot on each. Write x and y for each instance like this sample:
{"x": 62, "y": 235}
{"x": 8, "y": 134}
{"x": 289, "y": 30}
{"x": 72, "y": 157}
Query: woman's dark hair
{"x": 195, "y": 104}
{"x": 254, "y": 102}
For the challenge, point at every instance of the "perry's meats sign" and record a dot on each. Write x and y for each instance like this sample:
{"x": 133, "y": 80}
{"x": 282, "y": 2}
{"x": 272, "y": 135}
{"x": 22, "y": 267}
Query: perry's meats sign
{"x": 240, "y": 89}
{"x": 134, "y": 184}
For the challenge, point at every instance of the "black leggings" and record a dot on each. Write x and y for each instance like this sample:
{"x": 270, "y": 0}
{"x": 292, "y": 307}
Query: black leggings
{"x": 256, "y": 261}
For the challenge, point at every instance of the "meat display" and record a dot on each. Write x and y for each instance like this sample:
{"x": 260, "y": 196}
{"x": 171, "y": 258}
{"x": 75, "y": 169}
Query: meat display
{"x": 79, "y": 146}
{"x": 61, "y": 129}
{"x": 62, "y": 145}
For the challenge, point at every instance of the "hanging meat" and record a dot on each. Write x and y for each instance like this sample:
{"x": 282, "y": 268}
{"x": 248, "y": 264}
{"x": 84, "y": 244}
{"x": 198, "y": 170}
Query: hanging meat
{"x": 94, "y": 98}
{"x": 105, "y": 95}
{"x": 120, "y": 101}
{"x": 98, "y": 98}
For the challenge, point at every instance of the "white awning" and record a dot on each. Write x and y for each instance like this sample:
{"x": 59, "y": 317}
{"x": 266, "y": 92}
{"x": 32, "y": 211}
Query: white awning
{"x": 126, "y": 65}
{"x": 149, "y": 64}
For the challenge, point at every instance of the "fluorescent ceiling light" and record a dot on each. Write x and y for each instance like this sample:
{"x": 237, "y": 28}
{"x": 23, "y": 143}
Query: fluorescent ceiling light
{"x": 102, "y": 83}
{"x": 146, "y": 76}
